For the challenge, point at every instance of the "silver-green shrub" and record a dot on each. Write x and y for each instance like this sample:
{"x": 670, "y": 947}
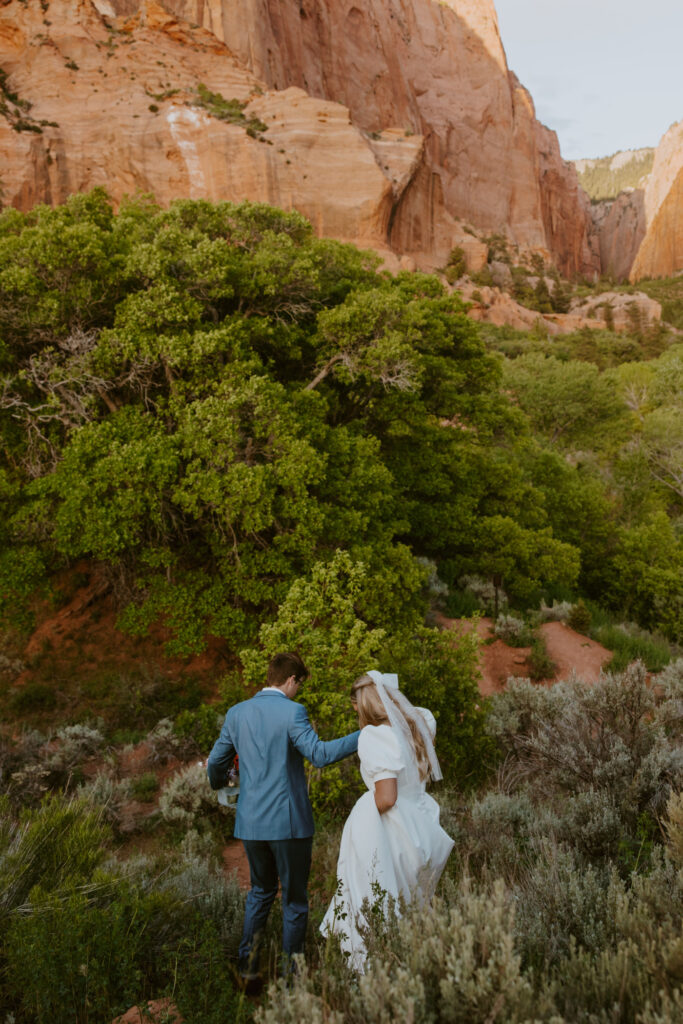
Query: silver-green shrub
{"x": 164, "y": 743}
{"x": 484, "y": 592}
{"x": 452, "y": 961}
{"x": 558, "y": 611}
{"x": 564, "y": 901}
{"x": 512, "y": 630}
{"x": 186, "y": 796}
{"x": 108, "y": 796}
{"x": 76, "y": 744}
{"x": 606, "y": 753}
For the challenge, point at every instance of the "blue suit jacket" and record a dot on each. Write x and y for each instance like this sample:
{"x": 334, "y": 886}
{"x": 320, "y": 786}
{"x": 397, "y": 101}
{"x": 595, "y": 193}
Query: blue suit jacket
{"x": 272, "y": 735}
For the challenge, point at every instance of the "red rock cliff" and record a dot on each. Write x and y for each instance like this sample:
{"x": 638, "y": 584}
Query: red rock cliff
{"x": 437, "y": 69}
{"x": 392, "y": 124}
{"x": 660, "y": 253}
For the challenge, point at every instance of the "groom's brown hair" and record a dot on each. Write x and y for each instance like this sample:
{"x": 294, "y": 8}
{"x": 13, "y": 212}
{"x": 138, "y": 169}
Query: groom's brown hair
{"x": 282, "y": 666}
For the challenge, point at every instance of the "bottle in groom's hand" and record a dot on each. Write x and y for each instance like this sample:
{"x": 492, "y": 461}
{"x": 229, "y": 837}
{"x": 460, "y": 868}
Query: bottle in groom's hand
{"x": 229, "y": 793}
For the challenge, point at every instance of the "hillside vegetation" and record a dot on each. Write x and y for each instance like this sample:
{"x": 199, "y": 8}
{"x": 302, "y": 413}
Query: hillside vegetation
{"x": 606, "y": 177}
{"x": 210, "y": 402}
{"x": 256, "y": 441}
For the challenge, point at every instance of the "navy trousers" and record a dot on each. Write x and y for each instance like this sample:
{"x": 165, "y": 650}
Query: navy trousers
{"x": 287, "y": 861}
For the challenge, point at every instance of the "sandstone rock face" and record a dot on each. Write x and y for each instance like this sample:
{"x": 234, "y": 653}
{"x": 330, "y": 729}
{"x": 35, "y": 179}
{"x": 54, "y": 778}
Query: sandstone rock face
{"x": 641, "y": 232}
{"x": 566, "y": 210}
{"x": 437, "y": 69}
{"x": 124, "y": 114}
{"x": 401, "y": 125}
{"x": 661, "y": 251}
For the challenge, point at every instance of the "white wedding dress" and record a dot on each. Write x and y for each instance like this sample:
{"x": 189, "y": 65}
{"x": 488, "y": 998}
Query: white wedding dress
{"x": 401, "y": 852}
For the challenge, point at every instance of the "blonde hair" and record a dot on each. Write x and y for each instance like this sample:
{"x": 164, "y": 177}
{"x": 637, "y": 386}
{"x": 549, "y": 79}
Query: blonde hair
{"x": 371, "y": 711}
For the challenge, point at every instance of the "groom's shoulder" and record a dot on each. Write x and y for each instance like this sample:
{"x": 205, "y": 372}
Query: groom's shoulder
{"x": 275, "y": 703}
{"x": 244, "y": 705}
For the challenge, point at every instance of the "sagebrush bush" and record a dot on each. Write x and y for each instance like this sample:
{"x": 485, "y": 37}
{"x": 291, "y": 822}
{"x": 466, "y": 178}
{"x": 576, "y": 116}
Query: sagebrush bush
{"x": 610, "y": 752}
{"x": 165, "y": 743}
{"x": 512, "y": 631}
{"x": 557, "y": 612}
{"x": 561, "y": 901}
{"x": 565, "y": 941}
{"x": 186, "y": 797}
{"x": 108, "y": 796}
{"x": 452, "y": 961}
{"x": 484, "y": 592}
{"x": 76, "y": 744}
{"x": 497, "y": 837}
{"x": 28, "y": 785}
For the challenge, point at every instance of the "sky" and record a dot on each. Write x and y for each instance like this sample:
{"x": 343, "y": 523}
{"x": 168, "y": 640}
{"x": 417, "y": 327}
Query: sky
{"x": 606, "y": 75}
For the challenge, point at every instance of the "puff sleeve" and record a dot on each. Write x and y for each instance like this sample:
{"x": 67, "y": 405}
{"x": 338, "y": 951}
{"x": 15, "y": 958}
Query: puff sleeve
{"x": 380, "y": 753}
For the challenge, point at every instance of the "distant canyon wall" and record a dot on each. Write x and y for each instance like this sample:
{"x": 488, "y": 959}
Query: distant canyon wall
{"x": 396, "y": 125}
{"x": 641, "y": 231}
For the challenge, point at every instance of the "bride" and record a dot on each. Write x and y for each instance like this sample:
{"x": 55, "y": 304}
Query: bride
{"x": 392, "y": 841}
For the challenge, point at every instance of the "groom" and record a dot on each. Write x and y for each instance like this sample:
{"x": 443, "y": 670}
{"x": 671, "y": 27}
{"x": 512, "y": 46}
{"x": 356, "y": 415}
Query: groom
{"x": 274, "y": 818}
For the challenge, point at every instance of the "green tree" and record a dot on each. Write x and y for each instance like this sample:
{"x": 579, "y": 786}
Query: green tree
{"x": 320, "y": 619}
{"x": 565, "y": 401}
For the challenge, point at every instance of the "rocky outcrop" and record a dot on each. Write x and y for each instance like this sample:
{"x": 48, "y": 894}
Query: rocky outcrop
{"x": 495, "y": 306}
{"x": 614, "y": 310}
{"x": 122, "y": 111}
{"x": 620, "y": 311}
{"x": 566, "y": 210}
{"x": 395, "y": 127}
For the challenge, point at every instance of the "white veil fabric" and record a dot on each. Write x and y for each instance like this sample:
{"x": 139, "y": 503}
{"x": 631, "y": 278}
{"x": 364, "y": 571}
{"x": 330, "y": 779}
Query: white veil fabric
{"x": 400, "y": 713}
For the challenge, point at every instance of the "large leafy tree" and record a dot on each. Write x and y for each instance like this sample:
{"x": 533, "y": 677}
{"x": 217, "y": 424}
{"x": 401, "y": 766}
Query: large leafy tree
{"x": 211, "y": 401}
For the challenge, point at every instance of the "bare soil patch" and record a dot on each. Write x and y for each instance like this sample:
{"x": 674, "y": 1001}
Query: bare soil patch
{"x": 573, "y": 652}
{"x": 569, "y": 650}
{"x": 235, "y": 862}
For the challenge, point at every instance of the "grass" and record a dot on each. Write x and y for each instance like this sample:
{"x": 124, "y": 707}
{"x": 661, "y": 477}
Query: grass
{"x": 461, "y": 604}
{"x": 628, "y": 642}
{"x": 653, "y": 650}
{"x": 541, "y": 665}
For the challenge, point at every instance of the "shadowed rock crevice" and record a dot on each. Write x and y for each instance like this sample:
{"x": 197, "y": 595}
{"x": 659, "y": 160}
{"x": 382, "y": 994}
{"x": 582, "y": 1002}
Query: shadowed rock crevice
{"x": 621, "y": 227}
